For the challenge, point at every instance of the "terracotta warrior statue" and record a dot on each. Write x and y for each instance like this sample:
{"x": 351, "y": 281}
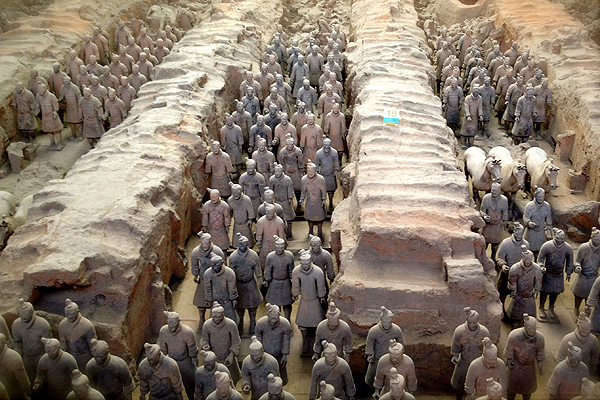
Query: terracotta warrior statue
{"x": 54, "y": 372}
{"x": 265, "y": 160}
{"x": 586, "y": 264}
{"x": 232, "y": 142}
{"x": 76, "y": 333}
{"x": 275, "y": 389}
{"x": 308, "y": 282}
{"x": 537, "y": 220}
{"x": 274, "y": 332}
{"x": 12, "y": 372}
{"x": 524, "y": 282}
{"x": 509, "y": 253}
{"x": 582, "y": 338}
{"x": 218, "y": 169}
{"x": 314, "y": 195}
{"x": 256, "y": 368}
{"x": 25, "y": 104}
{"x": 216, "y": 219}
{"x": 488, "y": 365}
{"x": 473, "y": 108}
{"x": 81, "y": 388}
{"x": 92, "y": 115}
{"x": 494, "y": 211}
{"x": 267, "y": 227}
{"x": 467, "y": 345}
{"x": 397, "y": 387}
{"x": 403, "y": 364}
{"x": 278, "y": 277}
{"x": 200, "y": 261}
{"x": 568, "y": 376}
{"x": 159, "y": 375}
{"x": 243, "y": 214}
{"x": 332, "y": 370}
{"x": 333, "y": 330}
{"x": 177, "y": 341}
{"x": 524, "y": 348}
{"x": 224, "y": 390}
{"x": 253, "y": 185}
{"x": 328, "y": 166}
{"x": 220, "y": 286}
{"x": 109, "y": 374}
{"x": 246, "y": 265}
{"x": 47, "y": 104}
{"x": 524, "y": 115}
{"x": 206, "y": 375}
{"x": 378, "y": 342}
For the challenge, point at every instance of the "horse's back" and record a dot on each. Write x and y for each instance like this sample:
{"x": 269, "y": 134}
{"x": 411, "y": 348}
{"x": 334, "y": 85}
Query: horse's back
{"x": 502, "y": 154}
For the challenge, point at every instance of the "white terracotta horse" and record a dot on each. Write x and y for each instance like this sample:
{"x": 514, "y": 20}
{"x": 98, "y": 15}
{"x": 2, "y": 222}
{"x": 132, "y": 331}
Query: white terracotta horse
{"x": 482, "y": 170}
{"x": 541, "y": 169}
{"x": 513, "y": 175}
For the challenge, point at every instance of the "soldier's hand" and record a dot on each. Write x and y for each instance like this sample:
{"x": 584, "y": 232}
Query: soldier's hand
{"x": 505, "y": 268}
{"x": 284, "y": 360}
{"x": 469, "y": 118}
{"x": 510, "y": 363}
{"x": 370, "y": 358}
{"x": 513, "y": 294}
{"x": 577, "y": 269}
{"x": 315, "y": 357}
{"x": 454, "y": 360}
{"x": 532, "y": 225}
{"x": 323, "y": 300}
{"x": 229, "y": 359}
{"x": 206, "y": 176}
{"x": 516, "y": 119}
{"x": 294, "y": 298}
{"x": 234, "y": 304}
{"x": 246, "y": 388}
{"x": 265, "y": 284}
{"x": 481, "y": 118}
{"x": 196, "y": 278}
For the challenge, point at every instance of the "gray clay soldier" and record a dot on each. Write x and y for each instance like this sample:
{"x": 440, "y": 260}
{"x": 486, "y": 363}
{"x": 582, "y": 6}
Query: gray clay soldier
{"x": 54, "y": 372}
{"x": 218, "y": 169}
{"x": 75, "y": 333}
{"x": 243, "y": 214}
{"x": 102, "y": 43}
{"x": 326, "y": 391}
{"x": 524, "y": 348}
{"x": 275, "y": 389}
{"x": 6, "y": 332}
{"x": 108, "y": 373}
{"x": 501, "y": 70}
{"x": 536, "y": 80}
{"x": 220, "y": 286}
{"x": 84, "y": 77}
{"x": 488, "y": 365}
{"x": 275, "y": 99}
{"x": 473, "y": 109}
{"x": 524, "y": 282}
{"x": 327, "y": 100}
{"x": 528, "y": 72}
{"x": 273, "y": 66}
{"x": 253, "y": 185}
{"x": 108, "y": 80}
{"x": 251, "y": 104}
{"x": 159, "y": 375}
{"x": 587, "y": 263}
{"x": 269, "y": 197}
{"x": 452, "y": 102}
{"x": 308, "y": 282}
{"x": 501, "y": 90}
{"x": 35, "y": 80}
{"x": 55, "y": 81}
{"x": 283, "y": 89}
{"x": 143, "y": 40}
{"x": 543, "y": 99}
{"x": 126, "y": 92}
{"x": 27, "y": 331}
{"x": 281, "y": 132}
{"x": 265, "y": 79}
{"x": 308, "y": 95}
{"x": 582, "y": 338}
{"x": 403, "y": 364}
{"x": 256, "y": 368}
{"x": 335, "y": 129}
{"x": 265, "y": 160}
{"x": 440, "y": 56}
{"x": 73, "y": 64}
{"x": 494, "y": 211}
{"x": 206, "y": 375}
{"x": 467, "y": 345}
{"x": 272, "y": 117}
{"x": 136, "y": 79}
{"x": 495, "y": 391}
{"x": 160, "y": 51}
{"x": 488, "y": 95}
{"x": 278, "y": 277}
{"x": 334, "y": 67}
{"x": 146, "y": 66}
{"x": 568, "y": 375}
{"x": 397, "y": 387}
{"x": 153, "y": 60}
{"x": 300, "y": 117}
{"x": 216, "y": 219}
{"x": 81, "y": 388}
{"x": 537, "y": 220}
{"x": 94, "y": 68}
{"x": 556, "y": 256}
{"x": 311, "y": 139}
{"x": 509, "y": 253}
{"x": 292, "y": 58}
{"x": 378, "y": 342}
{"x": 47, "y": 104}
{"x": 258, "y": 131}
{"x": 92, "y": 114}
{"x": 122, "y": 35}
{"x": 314, "y": 195}
{"x": 250, "y": 82}
{"x": 328, "y": 166}
{"x": 177, "y": 341}
{"x": 333, "y": 330}
{"x": 337, "y": 87}
{"x": 315, "y": 62}
{"x": 71, "y": 96}
{"x": 292, "y": 163}
{"x": 592, "y": 302}
{"x": 24, "y": 102}
{"x": 267, "y": 228}
{"x": 98, "y": 91}
{"x": 513, "y": 53}
{"x": 12, "y": 372}
{"x": 243, "y": 119}
{"x": 200, "y": 260}
{"x": 114, "y": 109}
{"x": 274, "y": 332}
{"x": 524, "y": 115}
{"x": 220, "y": 335}
{"x": 322, "y": 259}
{"x": 246, "y": 265}
{"x": 223, "y": 390}
{"x": 333, "y": 370}
{"x": 513, "y": 93}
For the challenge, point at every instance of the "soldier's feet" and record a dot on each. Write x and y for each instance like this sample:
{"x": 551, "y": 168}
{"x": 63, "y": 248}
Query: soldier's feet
{"x": 552, "y": 314}
{"x": 542, "y": 314}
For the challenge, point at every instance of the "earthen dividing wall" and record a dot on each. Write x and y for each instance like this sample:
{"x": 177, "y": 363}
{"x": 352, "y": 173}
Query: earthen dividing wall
{"x": 573, "y": 71}
{"x": 404, "y": 236}
{"x": 110, "y": 235}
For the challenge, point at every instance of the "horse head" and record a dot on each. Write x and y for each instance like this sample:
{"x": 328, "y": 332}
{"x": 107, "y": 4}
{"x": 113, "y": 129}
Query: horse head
{"x": 552, "y": 173}
{"x": 520, "y": 172}
{"x": 494, "y": 167}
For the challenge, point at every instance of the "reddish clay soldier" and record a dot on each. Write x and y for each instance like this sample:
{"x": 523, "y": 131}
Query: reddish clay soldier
{"x": 219, "y": 169}
{"x": 216, "y": 219}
